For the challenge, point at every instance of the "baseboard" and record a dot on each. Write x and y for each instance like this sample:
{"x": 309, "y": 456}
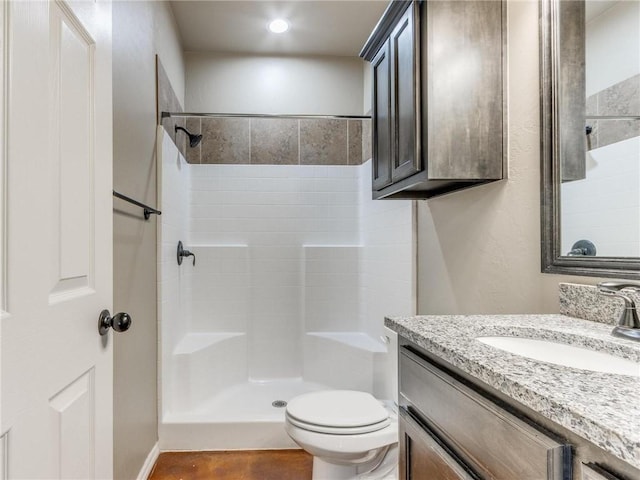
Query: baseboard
{"x": 145, "y": 471}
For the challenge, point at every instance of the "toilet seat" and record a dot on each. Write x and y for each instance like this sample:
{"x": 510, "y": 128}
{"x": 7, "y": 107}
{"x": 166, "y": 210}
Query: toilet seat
{"x": 338, "y": 412}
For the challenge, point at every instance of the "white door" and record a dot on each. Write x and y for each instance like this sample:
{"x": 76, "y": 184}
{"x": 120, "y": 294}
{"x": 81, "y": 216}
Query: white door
{"x": 56, "y": 383}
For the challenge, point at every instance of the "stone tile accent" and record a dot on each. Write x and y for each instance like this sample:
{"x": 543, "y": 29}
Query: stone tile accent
{"x": 621, "y": 99}
{"x": 323, "y": 142}
{"x": 592, "y": 104}
{"x": 167, "y": 101}
{"x": 354, "y": 135}
{"x": 274, "y": 141}
{"x": 279, "y": 141}
{"x": 366, "y": 140}
{"x": 613, "y": 131}
{"x": 225, "y": 140}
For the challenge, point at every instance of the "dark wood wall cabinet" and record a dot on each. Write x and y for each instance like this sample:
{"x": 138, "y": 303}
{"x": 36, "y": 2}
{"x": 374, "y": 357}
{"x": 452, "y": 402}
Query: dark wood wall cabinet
{"x": 438, "y": 110}
{"x": 453, "y": 427}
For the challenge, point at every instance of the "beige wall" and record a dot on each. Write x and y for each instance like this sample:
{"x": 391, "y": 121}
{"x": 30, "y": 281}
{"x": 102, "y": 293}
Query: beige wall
{"x": 479, "y": 249}
{"x": 140, "y": 30}
{"x": 225, "y": 83}
{"x": 367, "y": 73}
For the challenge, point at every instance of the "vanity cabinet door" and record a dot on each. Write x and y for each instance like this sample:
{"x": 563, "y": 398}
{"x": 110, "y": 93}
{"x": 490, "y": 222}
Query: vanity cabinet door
{"x": 498, "y": 444}
{"x": 594, "y": 472}
{"x": 381, "y": 118}
{"x": 424, "y": 457}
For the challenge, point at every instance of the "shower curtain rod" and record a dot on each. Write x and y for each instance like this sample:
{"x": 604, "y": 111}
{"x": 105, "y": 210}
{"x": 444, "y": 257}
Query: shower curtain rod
{"x": 262, "y": 115}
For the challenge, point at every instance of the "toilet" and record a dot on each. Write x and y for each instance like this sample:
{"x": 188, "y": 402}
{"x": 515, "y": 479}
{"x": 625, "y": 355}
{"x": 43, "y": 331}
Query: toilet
{"x": 350, "y": 434}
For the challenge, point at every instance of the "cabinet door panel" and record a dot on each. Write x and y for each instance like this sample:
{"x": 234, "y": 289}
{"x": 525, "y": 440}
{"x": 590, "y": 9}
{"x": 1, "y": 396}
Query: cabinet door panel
{"x": 381, "y": 118}
{"x": 422, "y": 457}
{"x": 499, "y": 444}
{"x": 465, "y": 105}
{"x": 406, "y": 160}
{"x": 594, "y": 472}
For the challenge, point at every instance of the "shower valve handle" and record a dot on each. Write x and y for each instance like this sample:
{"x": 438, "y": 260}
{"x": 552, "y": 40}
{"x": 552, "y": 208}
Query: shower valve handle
{"x": 182, "y": 253}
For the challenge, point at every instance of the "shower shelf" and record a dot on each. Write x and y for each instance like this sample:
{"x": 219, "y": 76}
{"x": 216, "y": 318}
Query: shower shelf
{"x": 358, "y": 340}
{"x": 194, "y": 342}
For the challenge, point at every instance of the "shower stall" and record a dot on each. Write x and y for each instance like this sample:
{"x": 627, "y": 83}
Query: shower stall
{"x": 295, "y": 268}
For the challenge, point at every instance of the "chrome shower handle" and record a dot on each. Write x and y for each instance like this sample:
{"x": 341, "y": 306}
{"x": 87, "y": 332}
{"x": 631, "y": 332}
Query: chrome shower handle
{"x": 182, "y": 253}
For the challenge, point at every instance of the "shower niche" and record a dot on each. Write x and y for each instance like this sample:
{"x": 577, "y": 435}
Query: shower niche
{"x": 296, "y": 268}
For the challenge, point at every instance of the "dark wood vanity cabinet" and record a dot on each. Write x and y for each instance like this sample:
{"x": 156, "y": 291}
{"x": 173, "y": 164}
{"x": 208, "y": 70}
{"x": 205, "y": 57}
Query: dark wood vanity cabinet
{"x": 454, "y": 427}
{"x": 438, "y": 121}
{"x": 485, "y": 439}
{"x": 424, "y": 456}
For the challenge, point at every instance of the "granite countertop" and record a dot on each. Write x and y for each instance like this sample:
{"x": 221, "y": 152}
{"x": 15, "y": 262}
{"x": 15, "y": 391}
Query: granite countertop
{"x": 600, "y": 407}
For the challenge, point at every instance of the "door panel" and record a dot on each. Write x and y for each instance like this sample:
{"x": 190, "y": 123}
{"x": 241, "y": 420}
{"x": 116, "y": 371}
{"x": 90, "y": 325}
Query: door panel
{"x": 56, "y": 382}
{"x": 72, "y": 432}
{"x": 72, "y": 70}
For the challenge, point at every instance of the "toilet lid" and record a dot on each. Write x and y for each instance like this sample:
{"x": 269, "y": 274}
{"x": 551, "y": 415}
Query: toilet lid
{"x": 338, "y": 411}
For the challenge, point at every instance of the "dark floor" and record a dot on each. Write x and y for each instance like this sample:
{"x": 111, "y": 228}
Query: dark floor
{"x": 234, "y": 465}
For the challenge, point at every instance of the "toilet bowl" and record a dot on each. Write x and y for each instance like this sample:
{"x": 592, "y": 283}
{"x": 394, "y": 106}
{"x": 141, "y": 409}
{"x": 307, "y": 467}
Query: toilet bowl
{"x": 350, "y": 434}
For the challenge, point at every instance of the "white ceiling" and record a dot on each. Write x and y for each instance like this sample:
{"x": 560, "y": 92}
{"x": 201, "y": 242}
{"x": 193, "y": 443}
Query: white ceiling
{"x": 318, "y": 27}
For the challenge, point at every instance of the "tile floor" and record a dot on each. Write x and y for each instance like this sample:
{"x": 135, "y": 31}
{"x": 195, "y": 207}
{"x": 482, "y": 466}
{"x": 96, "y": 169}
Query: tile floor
{"x": 234, "y": 465}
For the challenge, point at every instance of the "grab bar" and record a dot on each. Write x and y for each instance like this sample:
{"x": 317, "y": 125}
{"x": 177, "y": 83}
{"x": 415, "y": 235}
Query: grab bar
{"x": 148, "y": 211}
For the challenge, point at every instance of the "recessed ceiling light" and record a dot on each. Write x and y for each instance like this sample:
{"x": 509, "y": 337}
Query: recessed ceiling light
{"x": 279, "y": 26}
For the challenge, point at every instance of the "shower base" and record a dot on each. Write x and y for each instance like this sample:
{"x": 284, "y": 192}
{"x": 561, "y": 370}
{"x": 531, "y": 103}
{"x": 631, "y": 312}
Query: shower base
{"x": 240, "y": 417}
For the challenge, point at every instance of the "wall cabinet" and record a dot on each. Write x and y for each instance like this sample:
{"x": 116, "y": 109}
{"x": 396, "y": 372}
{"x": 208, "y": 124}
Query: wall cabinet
{"x": 438, "y": 120}
{"x": 452, "y": 428}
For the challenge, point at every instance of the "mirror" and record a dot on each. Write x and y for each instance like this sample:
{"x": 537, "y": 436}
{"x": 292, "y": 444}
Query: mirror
{"x": 590, "y": 100}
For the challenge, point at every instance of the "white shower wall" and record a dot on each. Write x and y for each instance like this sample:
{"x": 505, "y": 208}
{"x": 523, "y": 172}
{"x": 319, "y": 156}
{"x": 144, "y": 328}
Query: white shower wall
{"x": 605, "y": 207}
{"x": 295, "y": 269}
{"x": 277, "y": 215}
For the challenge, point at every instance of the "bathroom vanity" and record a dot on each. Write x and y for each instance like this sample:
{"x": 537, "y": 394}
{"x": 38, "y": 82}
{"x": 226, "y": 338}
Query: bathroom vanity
{"x": 469, "y": 410}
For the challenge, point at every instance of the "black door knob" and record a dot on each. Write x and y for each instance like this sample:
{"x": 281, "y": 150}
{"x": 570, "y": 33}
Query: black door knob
{"x": 120, "y": 322}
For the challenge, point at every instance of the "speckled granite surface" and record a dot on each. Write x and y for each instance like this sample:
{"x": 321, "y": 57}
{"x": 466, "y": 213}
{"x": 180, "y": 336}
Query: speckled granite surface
{"x": 584, "y": 301}
{"x": 601, "y": 407}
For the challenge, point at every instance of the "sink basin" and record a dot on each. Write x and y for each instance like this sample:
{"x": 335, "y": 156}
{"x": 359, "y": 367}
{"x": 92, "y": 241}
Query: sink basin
{"x": 564, "y": 355}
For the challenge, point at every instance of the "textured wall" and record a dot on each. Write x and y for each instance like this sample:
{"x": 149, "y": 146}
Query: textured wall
{"x": 479, "y": 249}
{"x": 140, "y": 30}
{"x": 261, "y": 84}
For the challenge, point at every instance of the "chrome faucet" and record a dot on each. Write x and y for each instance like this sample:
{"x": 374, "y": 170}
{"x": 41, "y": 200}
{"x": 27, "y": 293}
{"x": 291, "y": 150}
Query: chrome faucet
{"x": 628, "y": 324}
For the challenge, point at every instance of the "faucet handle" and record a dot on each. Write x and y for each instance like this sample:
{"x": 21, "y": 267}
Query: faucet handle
{"x": 628, "y": 323}
{"x": 612, "y": 287}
